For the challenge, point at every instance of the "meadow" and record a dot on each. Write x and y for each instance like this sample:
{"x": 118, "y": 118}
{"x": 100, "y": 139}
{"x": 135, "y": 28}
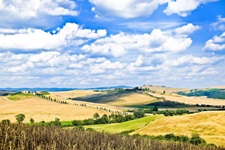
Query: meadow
{"x": 209, "y": 125}
{"x": 125, "y": 126}
{"x": 44, "y": 110}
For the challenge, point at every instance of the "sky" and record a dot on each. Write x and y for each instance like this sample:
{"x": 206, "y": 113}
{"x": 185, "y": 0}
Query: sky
{"x": 95, "y": 43}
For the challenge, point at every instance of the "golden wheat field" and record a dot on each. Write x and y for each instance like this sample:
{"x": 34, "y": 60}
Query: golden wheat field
{"x": 209, "y": 125}
{"x": 44, "y": 110}
{"x": 127, "y": 100}
{"x": 191, "y": 100}
{"x": 83, "y": 93}
{"x": 133, "y": 99}
{"x": 72, "y": 94}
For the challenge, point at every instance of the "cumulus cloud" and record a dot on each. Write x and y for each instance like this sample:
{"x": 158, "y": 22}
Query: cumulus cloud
{"x": 217, "y": 43}
{"x": 32, "y": 39}
{"x": 191, "y": 60}
{"x": 219, "y": 25}
{"x": 126, "y": 8}
{"x": 183, "y": 7}
{"x": 57, "y": 67}
{"x": 187, "y": 29}
{"x": 34, "y": 8}
{"x": 157, "y": 41}
{"x": 137, "y": 8}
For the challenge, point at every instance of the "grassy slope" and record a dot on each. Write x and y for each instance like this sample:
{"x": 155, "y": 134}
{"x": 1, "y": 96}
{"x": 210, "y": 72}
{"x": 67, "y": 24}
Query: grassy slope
{"x": 20, "y": 96}
{"x": 112, "y": 98}
{"x": 125, "y": 126}
{"x": 40, "y": 110}
{"x": 209, "y": 125}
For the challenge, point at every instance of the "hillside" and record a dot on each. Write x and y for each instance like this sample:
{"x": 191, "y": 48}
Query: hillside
{"x": 49, "y": 137}
{"x": 44, "y": 110}
{"x": 115, "y": 98}
{"x": 209, "y": 125}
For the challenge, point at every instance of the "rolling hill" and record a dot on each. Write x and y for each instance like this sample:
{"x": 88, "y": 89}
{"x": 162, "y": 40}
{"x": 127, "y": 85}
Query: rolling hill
{"x": 209, "y": 125}
{"x": 44, "y": 110}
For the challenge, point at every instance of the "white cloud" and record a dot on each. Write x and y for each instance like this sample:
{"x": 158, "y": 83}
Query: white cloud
{"x": 32, "y": 39}
{"x": 157, "y": 41}
{"x": 136, "y": 8}
{"x": 34, "y": 8}
{"x": 187, "y": 29}
{"x": 58, "y": 67}
{"x": 191, "y": 60}
{"x": 184, "y": 7}
{"x": 219, "y": 25}
{"x": 217, "y": 43}
{"x": 149, "y": 25}
{"x": 126, "y": 8}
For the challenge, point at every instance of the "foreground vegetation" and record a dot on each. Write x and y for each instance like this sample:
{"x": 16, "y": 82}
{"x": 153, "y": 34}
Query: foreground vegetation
{"x": 20, "y": 136}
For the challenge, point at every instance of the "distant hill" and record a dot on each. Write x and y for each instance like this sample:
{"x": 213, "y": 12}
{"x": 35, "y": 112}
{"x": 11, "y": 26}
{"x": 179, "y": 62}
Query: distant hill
{"x": 60, "y": 89}
{"x": 5, "y": 92}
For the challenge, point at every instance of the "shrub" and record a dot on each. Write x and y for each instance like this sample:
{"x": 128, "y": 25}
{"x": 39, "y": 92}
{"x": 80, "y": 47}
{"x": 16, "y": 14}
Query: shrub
{"x": 20, "y": 118}
{"x": 139, "y": 114}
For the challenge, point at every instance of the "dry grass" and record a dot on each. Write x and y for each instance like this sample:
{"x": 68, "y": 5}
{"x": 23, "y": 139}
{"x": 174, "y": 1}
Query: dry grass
{"x": 133, "y": 99}
{"x": 191, "y": 100}
{"x": 161, "y": 89}
{"x": 209, "y": 125}
{"x": 72, "y": 94}
{"x": 40, "y": 110}
{"x": 82, "y": 93}
{"x": 16, "y": 136}
{"x": 126, "y": 100}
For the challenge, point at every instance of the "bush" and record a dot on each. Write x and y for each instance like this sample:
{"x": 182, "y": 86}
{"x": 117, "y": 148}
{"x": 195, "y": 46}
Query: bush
{"x": 77, "y": 122}
{"x": 20, "y": 118}
{"x": 6, "y": 121}
{"x": 56, "y": 122}
{"x": 139, "y": 114}
{"x": 31, "y": 120}
{"x": 196, "y": 140}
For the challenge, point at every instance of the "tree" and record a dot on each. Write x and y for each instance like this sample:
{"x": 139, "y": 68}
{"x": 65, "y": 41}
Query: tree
{"x": 139, "y": 114}
{"x": 20, "y": 118}
{"x": 88, "y": 121}
{"x": 96, "y": 115}
{"x": 196, "y": 140}
{"x": 155, "y": 108}
{"x": 31, "y": 120}
{"x": 6, "y": 121}
{"x": 56, "y": 122}
{"x": 77, "y": 122}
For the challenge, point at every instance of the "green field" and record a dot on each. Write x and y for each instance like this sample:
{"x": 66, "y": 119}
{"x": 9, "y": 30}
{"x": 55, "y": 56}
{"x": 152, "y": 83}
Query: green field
{"x": 19, "y": 96}
{"x": 125, "y": 126}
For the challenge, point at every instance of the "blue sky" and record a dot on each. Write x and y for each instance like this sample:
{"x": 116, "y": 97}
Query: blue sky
{"x": 93, "y": 43}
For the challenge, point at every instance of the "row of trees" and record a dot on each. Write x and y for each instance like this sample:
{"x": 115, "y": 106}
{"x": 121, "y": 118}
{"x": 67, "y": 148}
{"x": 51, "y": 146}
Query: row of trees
{"x": 106, "y": 119}
{"x": 154, "y": 110}
{"x": 194, "y": 139}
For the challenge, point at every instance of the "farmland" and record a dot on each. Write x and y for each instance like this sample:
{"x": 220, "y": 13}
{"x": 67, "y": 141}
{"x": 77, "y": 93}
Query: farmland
{"x": 19, "y": 136}
{"x": 125, "y": 126}
{"x": 80, "y": 105}
{"x": 209, "y": 125}
{"x": 44, "y": 110}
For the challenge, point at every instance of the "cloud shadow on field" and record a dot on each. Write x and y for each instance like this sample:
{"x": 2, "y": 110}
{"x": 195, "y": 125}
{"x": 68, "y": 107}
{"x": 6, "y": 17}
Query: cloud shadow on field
{"x": 104, "y": 97}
